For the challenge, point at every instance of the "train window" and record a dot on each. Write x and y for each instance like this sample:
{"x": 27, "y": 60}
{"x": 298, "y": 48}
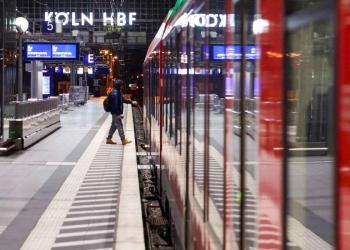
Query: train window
{"x": 156, "y": 87}
{"x": 293, "y": 6}
{"x": 166, "y": 86}
{"x": 177, "y": 88}
{"x": 310, "y": 132}
{"x": 199, "y": 171}
{"x": 172, "y": 87}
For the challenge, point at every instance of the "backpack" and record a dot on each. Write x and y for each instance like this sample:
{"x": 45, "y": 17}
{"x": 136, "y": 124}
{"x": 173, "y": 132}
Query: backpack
{"x": 107, "y": 105}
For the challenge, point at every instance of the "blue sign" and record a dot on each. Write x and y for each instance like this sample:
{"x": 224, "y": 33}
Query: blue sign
{"x": 102, "y": 71}
{"x": 89, "y": 59}
{"x": 233, "y": 52}
{"x": 58, "y": 70}
{"x": 64, "y": 51}
{"x": 251, "y": 52}
{"x": 51, "y": 51}
{"x": 37, "y": 51}
{"x": 48, "y": 27}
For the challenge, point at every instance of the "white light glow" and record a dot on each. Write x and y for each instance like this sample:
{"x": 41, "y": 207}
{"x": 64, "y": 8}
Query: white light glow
{"x": 260, "y": 26}
{"x": 22, "y": 23}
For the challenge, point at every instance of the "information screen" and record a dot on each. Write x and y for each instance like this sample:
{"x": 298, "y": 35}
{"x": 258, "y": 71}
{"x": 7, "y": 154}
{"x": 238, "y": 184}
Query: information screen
{"x": 251, "y": 52}
{"x": 64, "y": 51}
{"x": 46, "y": 85}
{"x": 233, "y": 52}
{"x": 51, "y": 51}
{"x": 38, "y": 51}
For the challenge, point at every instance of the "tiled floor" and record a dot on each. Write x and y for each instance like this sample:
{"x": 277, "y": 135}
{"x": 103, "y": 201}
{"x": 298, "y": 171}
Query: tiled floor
{"x": 63, "y": 192}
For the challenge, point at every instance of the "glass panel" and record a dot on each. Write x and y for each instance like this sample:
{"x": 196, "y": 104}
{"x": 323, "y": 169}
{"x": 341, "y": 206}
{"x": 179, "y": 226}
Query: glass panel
{"x": 235, "y": 103}
{"x": 310, "y": 129}
{"x": 176, "y": 86}
{"x": 251, "y": 95}
{"x": 198, "y": 91}
{"x": 296, "y": 5}
{"x": 215, "y": 100}
{"x": 166, "y": 88}
{"x": 9, "y": 67}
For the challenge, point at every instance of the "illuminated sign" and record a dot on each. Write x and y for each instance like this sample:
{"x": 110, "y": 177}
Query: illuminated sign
{"x": 58, "y": 70}
{"x": 80, "y": 71}
{"x": 51, "y": 51}
{"x": 119, "y": 18}
{"x": 48, "y": 27}
{"x": 38, "y": 51}
{"x": 46, "y": 85}
{"x": 89, "y": 59}
{"x": 66, "y": 70}
{"x": 64, "y": 51}
{"x": 206, "y": 20}
{"x": 102, "y": 71}
{"x": 233, "y": 52}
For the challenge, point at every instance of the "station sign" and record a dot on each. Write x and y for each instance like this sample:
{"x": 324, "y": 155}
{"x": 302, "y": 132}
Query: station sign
{"x": 82, "y": 19}
{"x": 51, "y": 51}
{"x": 206, "y": 20}
{"x": 48, "y": 27}
{"x": 89, "y": 59}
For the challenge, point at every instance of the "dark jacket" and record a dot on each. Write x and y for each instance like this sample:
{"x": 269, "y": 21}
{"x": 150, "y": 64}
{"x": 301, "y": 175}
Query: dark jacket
{"x": 116, "y": 98}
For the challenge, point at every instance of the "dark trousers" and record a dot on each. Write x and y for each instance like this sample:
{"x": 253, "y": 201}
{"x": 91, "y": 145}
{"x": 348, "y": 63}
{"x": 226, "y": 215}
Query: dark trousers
{"x": 117, "y": 124}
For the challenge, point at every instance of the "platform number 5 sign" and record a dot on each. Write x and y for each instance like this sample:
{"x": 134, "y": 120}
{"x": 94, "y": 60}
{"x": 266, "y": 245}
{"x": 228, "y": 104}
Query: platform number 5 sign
{"x": 48, "y": 27}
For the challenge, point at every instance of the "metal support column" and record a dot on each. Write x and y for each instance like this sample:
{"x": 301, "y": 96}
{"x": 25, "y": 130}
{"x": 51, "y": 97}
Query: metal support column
{"x": 20, "y": 69}
{"x": 72, "y": 75}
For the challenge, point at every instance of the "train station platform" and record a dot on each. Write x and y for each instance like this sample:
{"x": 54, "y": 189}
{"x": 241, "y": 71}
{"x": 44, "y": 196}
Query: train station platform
{"x": 71, "y": 190}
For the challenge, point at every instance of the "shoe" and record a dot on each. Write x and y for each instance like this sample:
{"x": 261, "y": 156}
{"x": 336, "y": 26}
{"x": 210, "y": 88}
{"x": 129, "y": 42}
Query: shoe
{"x": 125, "y": 141}
{"x": 109, "y": 141}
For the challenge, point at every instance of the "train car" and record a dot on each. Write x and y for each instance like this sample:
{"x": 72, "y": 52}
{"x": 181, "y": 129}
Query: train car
{"x": 245, "y": 110}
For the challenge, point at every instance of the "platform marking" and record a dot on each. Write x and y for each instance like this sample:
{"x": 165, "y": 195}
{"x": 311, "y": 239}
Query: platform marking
{"x": 50, "y": 224}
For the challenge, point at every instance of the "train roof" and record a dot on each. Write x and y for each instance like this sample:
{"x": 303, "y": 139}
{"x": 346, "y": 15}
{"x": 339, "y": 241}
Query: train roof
{"x": 167, "y": 25}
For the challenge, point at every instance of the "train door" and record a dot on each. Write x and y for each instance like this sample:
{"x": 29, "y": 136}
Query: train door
{"x": 241, "y": 116}
{"x": 309, "y": 115}
{"x": 280, "y": 181}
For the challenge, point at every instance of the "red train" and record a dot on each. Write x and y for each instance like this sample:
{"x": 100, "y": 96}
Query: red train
{"x": 246, "y": 103}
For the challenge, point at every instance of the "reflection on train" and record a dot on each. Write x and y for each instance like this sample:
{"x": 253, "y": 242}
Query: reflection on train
{"x": 243, "y": 135}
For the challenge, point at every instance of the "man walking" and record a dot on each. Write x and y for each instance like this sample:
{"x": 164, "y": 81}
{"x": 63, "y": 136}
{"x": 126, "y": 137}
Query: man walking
{"x": 116, "y": 99}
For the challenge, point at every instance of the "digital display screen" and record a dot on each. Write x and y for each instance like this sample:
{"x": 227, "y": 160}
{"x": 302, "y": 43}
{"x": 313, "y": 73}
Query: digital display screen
{"x": 251, "y": 52}
{"x": 221, "y": 52}
{"x": 38, "y": 51}
{"x": 232, "y": 52}
{"x": 46, "y": 85}
{"x": 51, "y": 51}
{"x": 64, "y": 51}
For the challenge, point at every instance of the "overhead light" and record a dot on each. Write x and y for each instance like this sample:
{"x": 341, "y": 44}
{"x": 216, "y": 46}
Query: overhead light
{"x": 22, "y": 24}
